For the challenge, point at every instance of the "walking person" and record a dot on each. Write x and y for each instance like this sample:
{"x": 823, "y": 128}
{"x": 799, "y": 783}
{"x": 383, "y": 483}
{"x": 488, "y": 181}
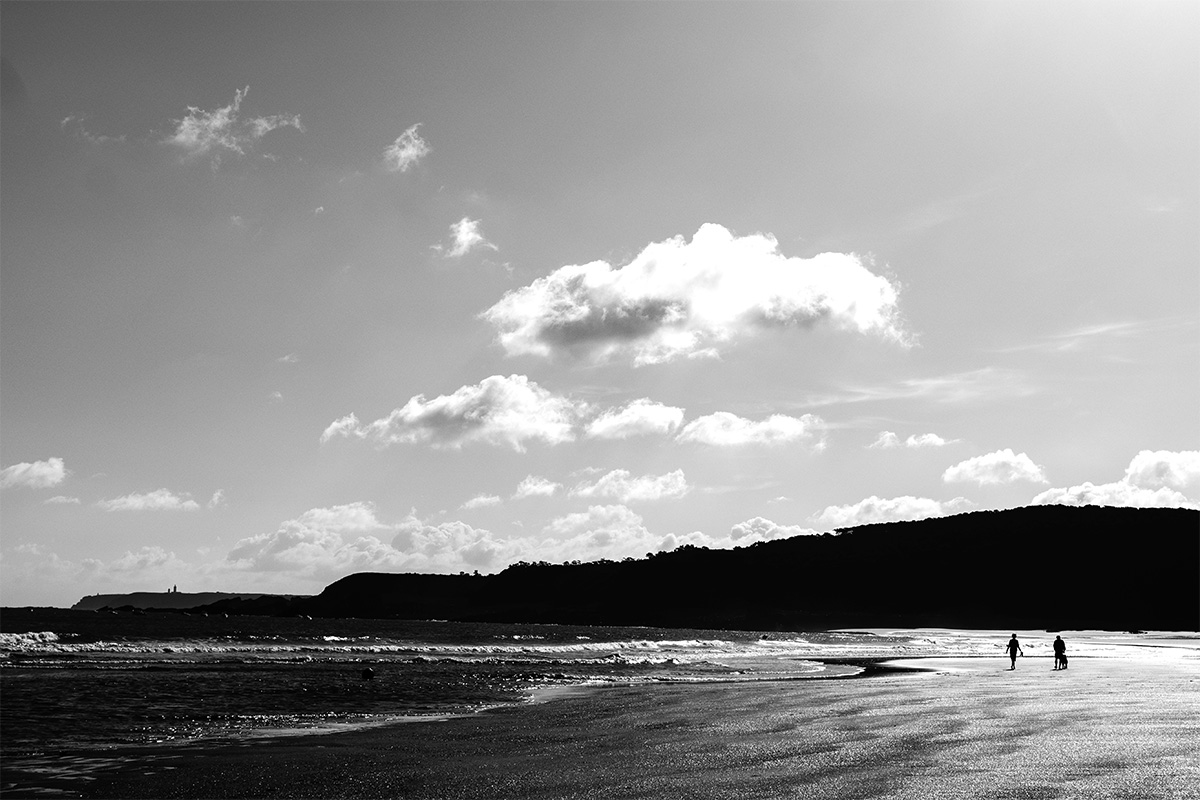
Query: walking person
{"x": 1013, "y": 647}
{"x": 1060, "y": 653}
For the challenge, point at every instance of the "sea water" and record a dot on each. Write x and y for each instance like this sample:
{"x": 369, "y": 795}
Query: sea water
{"x": 74, "y": 683}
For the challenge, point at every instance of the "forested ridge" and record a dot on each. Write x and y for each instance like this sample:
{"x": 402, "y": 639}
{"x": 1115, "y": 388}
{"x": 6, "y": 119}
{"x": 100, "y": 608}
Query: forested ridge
{"x": 1051, "y": 567}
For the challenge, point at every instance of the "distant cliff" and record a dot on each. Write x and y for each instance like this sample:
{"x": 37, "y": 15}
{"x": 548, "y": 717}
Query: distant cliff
{"x": 173, "y": 600}
{"x": 1053, "y": 567}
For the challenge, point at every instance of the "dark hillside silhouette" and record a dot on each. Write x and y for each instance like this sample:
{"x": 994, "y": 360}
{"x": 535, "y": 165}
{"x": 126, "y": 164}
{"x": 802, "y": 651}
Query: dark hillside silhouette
{"x": 1118, "y": 568}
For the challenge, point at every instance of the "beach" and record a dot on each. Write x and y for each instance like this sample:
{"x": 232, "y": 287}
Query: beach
{"x": 1123, "y": 722}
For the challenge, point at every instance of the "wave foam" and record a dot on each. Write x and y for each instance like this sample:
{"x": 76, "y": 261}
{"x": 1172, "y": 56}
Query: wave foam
{"x": 32, "y": 640}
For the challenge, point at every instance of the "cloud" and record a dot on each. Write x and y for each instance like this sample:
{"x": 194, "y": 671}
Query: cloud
{"x": 464, "y": 237}
{"x": 533, "y": 486}
{"x": 406, "y": 151}
{"x": 725, "y": 429}
{"x": 1115, "y": 494}
{"x": 452, "y": 546}
{"x": 1153, "y": 479}
{"x": 1157, "y": 469}
{"x": 321, "y": 541}
{"x": 508, "y": 411}
{"x": 743, "y": 534}
{"x": 603, "y": 531}
{"x": 224, "y": 130}
{"x": 1104, "y": 336}
{"x": 887, "y": 440}
{"x": 158, "y": 500}
{"x": 290, "y": 358}
{"x": 1002, "y": 466}
{"x": 876, "y": 509}
{"x": 988, "y": 384}
{"x": 482, "y": 501}
{"x": 620, "y": 485}
{"x": 680, "y": 299}
{"x": 35, "y": 475}
{"x": 75, "y": 122}
{"x": 326, "y": 543}
{"x": 638, "y": 418}
{"x": 760, "y": 529}
{"x": 153, "y": 558}
{"x": 218, "y": 499}
{"x": 61, "y": 499}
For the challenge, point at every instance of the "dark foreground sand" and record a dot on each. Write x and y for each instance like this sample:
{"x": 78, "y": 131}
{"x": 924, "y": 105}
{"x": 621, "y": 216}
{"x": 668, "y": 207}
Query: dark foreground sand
{"x": 1109, "y": 727}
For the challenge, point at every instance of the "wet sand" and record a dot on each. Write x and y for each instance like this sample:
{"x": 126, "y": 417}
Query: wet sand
{"x": 1116, "y": 726}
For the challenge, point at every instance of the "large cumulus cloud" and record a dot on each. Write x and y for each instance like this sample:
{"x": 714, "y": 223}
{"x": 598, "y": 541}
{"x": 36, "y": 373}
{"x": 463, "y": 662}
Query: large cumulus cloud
{"x": 679, "y": 299}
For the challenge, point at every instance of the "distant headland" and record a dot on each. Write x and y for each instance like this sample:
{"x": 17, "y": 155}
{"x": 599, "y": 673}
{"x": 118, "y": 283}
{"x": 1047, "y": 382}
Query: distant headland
{"x": 1052, "y": 567}
{"x": 173, "y": 599}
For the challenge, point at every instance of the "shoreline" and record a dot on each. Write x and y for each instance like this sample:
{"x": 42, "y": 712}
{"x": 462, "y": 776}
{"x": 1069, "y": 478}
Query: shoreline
{"x": 1111, "y": 726}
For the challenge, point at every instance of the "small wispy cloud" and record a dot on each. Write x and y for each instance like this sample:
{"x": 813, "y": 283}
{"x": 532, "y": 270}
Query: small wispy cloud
{"x": 409, "y": 148}
{"x": 622, "y": 486}
{"x": 158, "y": 500}
{"x": 888, "y": 440}
{"x": 464, "y": 237}
{"x": 724, "y": 429}
{"x": 535, "y": 486}
{"x": 75, "y": 124}
{"x": 988, "y": 383}
{"x": 225, "y": 131}
{"x": 1103, "y": 334}
{"x": 61, "y": 499}
{"x": 482, "y": 501}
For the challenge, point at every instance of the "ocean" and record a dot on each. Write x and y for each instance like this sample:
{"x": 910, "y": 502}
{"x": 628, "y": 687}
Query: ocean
{"x": 79, "y": 683}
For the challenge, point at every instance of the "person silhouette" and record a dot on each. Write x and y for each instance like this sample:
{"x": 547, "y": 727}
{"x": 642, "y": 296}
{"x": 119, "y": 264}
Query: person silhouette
{"x": 1060, "y": 653}
{"x": 1013, "y": 647}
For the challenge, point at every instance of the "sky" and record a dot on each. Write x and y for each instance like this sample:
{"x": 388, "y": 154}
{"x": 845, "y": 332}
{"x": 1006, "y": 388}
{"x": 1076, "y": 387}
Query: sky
{"x": 294, "y": 290}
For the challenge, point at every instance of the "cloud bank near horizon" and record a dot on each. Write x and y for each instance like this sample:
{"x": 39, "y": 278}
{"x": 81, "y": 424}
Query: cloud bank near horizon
{"x": 1153, "y": 479}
